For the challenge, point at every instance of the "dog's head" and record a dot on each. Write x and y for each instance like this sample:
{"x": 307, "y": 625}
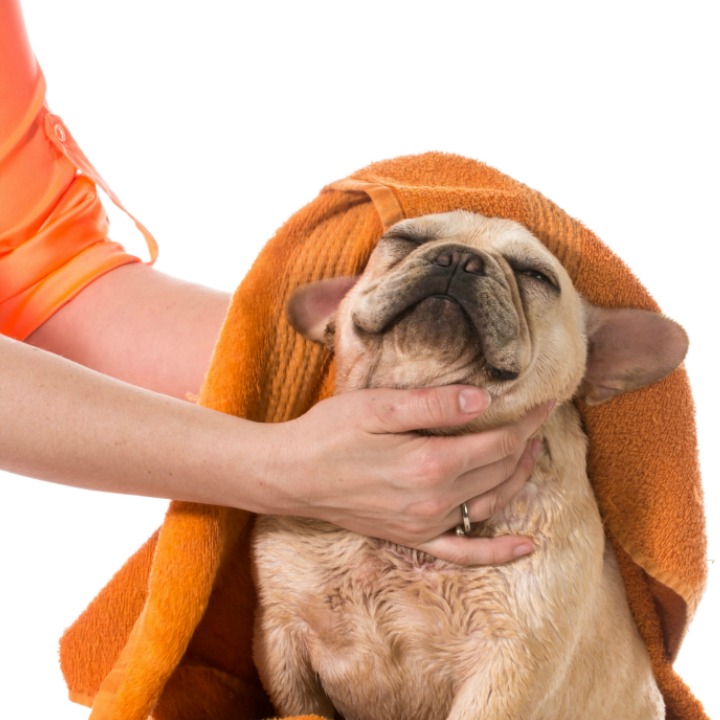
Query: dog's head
{"x": 462, "y": 298}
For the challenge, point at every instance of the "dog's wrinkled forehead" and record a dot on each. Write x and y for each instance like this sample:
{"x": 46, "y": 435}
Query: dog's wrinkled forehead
{"x": 457, "y": 224}
{"x": 502, "y": 238}
{"x": 452, "y": 225}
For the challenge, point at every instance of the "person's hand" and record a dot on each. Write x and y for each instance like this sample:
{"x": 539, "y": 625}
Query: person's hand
{"x": 355, "y": 461}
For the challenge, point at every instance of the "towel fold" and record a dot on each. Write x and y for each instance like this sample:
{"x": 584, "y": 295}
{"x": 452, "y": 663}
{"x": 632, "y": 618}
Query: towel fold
{"x": 171, "y": 633}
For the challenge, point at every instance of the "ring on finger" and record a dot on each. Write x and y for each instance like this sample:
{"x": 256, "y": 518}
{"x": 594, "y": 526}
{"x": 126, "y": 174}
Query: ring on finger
{"x": 465, "y": 527}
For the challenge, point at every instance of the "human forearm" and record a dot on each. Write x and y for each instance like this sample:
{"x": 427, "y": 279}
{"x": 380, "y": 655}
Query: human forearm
{"x": 352, "y": 460}
{"x": 65, "y": 423}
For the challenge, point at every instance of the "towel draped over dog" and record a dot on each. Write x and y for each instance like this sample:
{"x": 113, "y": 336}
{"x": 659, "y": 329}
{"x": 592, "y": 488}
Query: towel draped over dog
{"x": 170, "y": 635}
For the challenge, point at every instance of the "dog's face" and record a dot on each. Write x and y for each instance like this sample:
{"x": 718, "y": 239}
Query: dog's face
{"x": 462, "y": 298}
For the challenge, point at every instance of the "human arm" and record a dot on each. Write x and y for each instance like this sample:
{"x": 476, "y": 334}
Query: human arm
{"x": 140, "y": 326}
{"x": 68, "y": 424}
{"x": 74, "y": 426}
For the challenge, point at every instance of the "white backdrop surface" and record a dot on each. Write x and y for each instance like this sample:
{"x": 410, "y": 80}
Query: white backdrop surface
{"x": 215, "y": 121}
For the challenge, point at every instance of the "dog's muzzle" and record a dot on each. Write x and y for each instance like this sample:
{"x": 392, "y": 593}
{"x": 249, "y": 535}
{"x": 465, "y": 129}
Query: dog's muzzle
{"x": 475, "y": 281}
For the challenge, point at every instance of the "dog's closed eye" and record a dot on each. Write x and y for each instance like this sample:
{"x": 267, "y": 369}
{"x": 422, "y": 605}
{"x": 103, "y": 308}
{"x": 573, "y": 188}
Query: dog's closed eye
{"x": 543, "y": 275}
{"x": 409, "y": 233}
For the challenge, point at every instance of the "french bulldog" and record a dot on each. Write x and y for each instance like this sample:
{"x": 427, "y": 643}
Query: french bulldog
{"x": 371, "y": 630}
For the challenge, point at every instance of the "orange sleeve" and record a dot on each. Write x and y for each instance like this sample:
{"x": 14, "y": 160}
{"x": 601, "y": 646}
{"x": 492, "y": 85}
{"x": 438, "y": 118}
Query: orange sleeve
{"x": 53, "y": 228}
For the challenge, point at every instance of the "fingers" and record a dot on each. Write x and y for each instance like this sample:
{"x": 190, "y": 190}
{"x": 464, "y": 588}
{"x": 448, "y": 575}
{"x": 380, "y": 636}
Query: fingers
{"x": 488, "y": 551}
{"x": 424, "y": 479}
{"x": 401, "y": 411}
{"x": 490, "y": 502}
{"x": 478, "y": 551}
{"x": 497, "y": 461}
{"x": 508, "y": 441}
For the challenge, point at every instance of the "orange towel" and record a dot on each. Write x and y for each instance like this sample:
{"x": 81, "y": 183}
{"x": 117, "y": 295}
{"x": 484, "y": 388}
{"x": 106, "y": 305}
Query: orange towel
{"x": 171, "y": 633}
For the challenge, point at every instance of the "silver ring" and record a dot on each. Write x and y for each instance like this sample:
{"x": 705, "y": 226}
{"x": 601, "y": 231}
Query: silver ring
{"x": 466, "y": 527}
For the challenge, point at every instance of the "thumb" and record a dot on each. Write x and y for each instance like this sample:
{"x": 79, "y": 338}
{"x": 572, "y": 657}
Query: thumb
{"x": 400, "y": 411}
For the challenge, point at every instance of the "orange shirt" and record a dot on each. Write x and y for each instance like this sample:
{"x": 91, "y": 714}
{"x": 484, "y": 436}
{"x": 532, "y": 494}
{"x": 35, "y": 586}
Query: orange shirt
{"x": 53, "y": 228}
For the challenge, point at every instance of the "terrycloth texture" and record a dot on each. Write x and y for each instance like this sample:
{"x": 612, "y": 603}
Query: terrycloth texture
{"x": 187, "y": 655}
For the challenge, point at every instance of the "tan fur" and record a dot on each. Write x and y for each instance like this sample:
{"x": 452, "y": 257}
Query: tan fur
{"x": 375, "y": 630}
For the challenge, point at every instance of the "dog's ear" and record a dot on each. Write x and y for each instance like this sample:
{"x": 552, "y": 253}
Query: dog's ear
{"x": 628, "y": 349}
{"x": 311, "y": 308}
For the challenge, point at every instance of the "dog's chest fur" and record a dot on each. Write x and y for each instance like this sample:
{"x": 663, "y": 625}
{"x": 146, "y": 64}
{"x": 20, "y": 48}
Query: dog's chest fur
{"x": 392, "y": 633}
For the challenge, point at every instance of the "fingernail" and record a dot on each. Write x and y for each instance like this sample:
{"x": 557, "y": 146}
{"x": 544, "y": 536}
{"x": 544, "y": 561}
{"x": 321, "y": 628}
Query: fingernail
{"x": 522, "y": 550}
{"x": 472, "y": 400}
{"x": 551, "y": 405}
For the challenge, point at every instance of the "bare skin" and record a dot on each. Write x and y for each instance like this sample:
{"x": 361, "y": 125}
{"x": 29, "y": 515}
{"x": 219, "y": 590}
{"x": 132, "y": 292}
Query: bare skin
{"x": 118, "y": 424}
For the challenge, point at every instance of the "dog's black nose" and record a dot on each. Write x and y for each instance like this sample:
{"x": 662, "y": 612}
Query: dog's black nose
{"x": 465, "y": 260}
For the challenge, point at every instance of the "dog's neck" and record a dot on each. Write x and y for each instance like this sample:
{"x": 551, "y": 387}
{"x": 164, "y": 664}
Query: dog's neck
{"x": 558, "y": 487}
{"x": 548, "y": 509}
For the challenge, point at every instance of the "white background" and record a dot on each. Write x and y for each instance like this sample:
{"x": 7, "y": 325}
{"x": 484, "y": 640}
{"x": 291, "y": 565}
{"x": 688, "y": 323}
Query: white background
{"x": 215, "y": 121}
